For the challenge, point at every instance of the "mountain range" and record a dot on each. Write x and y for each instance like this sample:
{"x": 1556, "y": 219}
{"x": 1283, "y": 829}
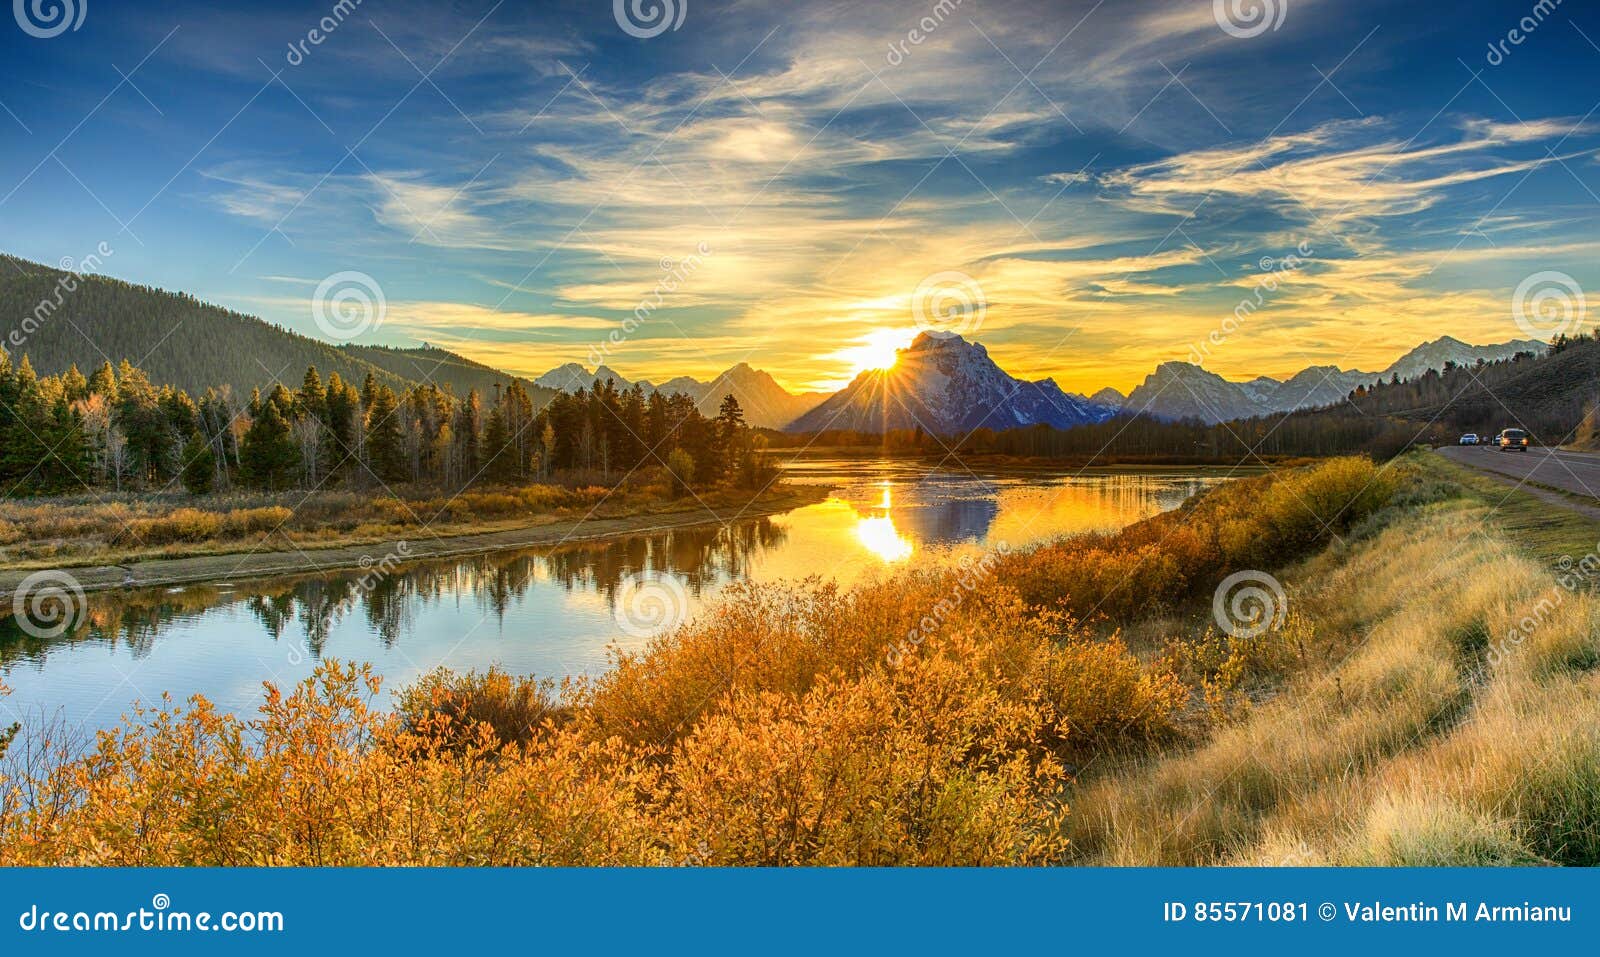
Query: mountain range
{"x": 766, "y": 404}
{"x": 942, "y": 383}
{"x": 1182, "y": 390}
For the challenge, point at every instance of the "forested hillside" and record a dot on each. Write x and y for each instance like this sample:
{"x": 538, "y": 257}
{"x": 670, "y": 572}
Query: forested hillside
{"x": 60, "y": 319}
{"x": 116, "y": 429}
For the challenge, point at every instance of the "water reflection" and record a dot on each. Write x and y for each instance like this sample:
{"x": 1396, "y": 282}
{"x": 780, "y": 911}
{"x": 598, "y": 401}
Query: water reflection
{"x": 539, "y": 611}
{"x": 876, "y": 531}
{"x": 311, "y": 608}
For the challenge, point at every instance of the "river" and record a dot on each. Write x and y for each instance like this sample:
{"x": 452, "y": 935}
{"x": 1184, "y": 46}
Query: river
{"x": 551, "y": 612}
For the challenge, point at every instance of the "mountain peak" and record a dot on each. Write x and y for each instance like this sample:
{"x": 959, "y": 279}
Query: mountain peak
{"x": 935, "y": 339}
{"x": 951, "y": 388}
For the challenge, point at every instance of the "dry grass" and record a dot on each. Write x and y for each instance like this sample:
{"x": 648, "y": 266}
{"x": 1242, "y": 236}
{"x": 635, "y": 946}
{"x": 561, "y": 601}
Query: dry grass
{"x": 1457, "y": 721}
{"x": 112, "y": 528}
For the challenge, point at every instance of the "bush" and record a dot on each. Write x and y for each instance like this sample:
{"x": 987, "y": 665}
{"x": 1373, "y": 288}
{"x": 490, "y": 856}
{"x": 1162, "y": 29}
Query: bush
{"x": 450, "y": 706}
{"x": 1158, "y": 564}
{"x": 245, "y": 521}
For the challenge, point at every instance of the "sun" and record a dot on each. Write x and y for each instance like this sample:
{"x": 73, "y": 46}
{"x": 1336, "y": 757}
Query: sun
{"x": 875, "y": 350}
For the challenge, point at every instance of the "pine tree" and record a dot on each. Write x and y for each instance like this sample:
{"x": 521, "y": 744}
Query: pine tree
{"x": 268, "y": 455}
{"x": 500, "y": 456}
{"x": 199, "y": 465}
{"x": 104, "y": 382}
{"x": 66, "y": 466}
{"x": 386, "y": 447}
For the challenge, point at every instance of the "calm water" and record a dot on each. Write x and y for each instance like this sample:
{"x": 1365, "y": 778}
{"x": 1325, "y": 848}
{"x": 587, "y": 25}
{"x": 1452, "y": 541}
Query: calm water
{"x": 540, "y": 611}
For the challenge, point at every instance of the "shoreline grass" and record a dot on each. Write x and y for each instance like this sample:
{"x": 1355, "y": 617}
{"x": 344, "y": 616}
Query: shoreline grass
{"x": 36, "y": 534}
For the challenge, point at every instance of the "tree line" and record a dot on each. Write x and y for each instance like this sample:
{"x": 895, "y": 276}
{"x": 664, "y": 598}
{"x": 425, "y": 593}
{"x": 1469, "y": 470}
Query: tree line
{"x": 117, "y": 430}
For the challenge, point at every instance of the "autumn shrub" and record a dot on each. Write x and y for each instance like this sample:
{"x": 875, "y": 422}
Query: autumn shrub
{"x": 924, "y": 764}
{"x": 451, "y": 705}
{"x": 179, "y": 525}
{"x": 1155, "y": 565}
{"x": 246, "y": 521}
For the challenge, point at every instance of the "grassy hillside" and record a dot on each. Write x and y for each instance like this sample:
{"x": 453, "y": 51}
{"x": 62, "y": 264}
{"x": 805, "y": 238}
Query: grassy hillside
{"x": 179, "y": 340}
{"x": 1441, "y": 706}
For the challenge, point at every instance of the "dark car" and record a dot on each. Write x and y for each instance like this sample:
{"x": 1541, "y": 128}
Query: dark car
{"x": 1512, "y": 440}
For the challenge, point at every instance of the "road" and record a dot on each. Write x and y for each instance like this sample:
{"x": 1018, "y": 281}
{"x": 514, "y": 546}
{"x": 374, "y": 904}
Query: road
{"x": 1574, "y": 472}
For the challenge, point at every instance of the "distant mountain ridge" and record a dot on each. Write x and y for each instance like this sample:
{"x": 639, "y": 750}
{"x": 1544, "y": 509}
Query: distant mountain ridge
{"x": 945, "y": 385}
{"x": 1181, "y": 390}
{"x": 766, "y": 404}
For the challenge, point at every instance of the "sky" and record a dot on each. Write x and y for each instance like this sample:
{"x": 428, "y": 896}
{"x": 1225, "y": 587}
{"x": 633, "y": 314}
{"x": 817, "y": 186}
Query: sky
{"x": 1088, "y": 189}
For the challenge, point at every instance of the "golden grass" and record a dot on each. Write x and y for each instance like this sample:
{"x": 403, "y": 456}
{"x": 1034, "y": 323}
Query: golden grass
{"x": 1456, "y": 722}
{"x": 113, "y": 528}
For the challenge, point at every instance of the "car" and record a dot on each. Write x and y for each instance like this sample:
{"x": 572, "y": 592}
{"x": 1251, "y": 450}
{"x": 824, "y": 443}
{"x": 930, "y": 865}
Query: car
{"x": 1471, "y": 438}
{"x": 1512, "y": 440}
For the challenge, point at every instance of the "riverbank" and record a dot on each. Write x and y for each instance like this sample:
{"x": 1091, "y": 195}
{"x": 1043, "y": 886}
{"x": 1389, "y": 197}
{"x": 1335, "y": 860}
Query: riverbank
{"x": 423, "y": 543}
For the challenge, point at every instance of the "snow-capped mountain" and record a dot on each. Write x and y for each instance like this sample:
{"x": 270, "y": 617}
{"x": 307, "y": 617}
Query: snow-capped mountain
{"x": 948, "y": 386}
{"x": 1434, "y": 355}
{"x": 1180, "y": 390}
{"x": 766, "y": 404}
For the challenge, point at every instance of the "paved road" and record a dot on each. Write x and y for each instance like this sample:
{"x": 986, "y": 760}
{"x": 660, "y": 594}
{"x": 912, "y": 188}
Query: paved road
{"x": 1575, "y": 472}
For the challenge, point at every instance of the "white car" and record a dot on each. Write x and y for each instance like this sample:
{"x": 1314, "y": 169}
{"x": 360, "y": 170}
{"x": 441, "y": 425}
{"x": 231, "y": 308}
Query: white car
{"x": 1471, "y": 438}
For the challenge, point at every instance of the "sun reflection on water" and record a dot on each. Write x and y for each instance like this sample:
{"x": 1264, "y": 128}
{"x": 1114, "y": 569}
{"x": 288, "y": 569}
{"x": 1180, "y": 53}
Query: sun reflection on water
{"x": 877, "y": 532}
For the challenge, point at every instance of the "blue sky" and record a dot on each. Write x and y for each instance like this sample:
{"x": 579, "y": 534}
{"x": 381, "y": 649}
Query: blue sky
{"x": 1100, "y": 185}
